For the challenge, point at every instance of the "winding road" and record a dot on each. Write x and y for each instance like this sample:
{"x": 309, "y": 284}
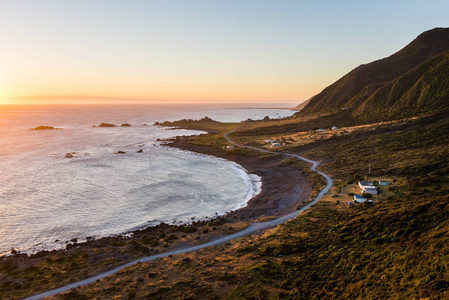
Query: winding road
{"x": 251, "y": 229}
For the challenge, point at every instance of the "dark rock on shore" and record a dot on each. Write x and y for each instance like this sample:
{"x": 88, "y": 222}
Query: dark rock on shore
{"x": 126, "y": 125}
{"x": 120, "y": 152}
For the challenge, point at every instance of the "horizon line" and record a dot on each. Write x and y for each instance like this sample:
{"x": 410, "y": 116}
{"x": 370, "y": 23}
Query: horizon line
{"x": 137, "y": 100}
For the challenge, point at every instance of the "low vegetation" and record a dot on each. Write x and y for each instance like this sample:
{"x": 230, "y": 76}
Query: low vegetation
{"x": 22, "y": 275}
{"x": 395, "y": 249}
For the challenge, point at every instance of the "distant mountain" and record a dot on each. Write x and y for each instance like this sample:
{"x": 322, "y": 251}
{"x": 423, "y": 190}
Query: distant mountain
{"x": 411, "y": 82}
{"x": 302, "y": 105}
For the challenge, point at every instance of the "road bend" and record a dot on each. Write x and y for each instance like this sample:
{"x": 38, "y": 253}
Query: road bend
{"x": 253, "y": 228}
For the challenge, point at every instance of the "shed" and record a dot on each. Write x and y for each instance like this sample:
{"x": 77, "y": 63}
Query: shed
{"x": 334, "y": 128}
{"x": 275, "y": 144}
{"x": 369, "y": 190}
{"x": 383, "y": 182}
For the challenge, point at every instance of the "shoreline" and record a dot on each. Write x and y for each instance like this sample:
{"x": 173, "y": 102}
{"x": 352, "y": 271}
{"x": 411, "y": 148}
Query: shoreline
{"x": 283, "y": 187}
{"x": 292, "y": 187}
{"x": 255, "y": 227}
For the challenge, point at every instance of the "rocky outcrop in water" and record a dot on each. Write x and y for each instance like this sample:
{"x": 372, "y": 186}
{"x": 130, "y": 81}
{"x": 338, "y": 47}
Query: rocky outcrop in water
{"x": 42, "y": 127}
{"x": 105, "y": 125}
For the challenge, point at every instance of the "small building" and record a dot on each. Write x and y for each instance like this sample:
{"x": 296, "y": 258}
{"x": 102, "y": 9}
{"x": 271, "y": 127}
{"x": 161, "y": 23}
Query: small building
{"x": 363, "y": 184}
{"x": 269, "y": 141}
{"x": 369, "y": 190}
{"x": 275, "y": 144}
{"x": 359, "y": 199}
{"x": 383, "y": 183}
{"x": 334, "y": 128}
{"x": 228, "y": 147}
{"x": 344, "y": 108}
{"x": 321, "y": 130}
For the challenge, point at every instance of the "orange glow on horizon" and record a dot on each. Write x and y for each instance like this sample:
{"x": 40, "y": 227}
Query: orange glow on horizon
{"x": 75, "y": 99}
{"x": 175, "y": 93}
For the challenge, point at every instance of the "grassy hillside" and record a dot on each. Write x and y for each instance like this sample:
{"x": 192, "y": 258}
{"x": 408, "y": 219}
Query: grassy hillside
{"x": 387, "y": 87}
{"x": 396, "y": 249}
{"x": 422, "y": 91}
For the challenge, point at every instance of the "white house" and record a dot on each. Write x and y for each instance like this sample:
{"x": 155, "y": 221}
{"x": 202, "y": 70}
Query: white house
{"x": 334, "y": 128}
{"x": 367, "y": 187}
{"x": 363, "y": 184}
{"x": 369, "y": 190}
{"x": 269, "y": 141}
{"x": 359, "y": 199}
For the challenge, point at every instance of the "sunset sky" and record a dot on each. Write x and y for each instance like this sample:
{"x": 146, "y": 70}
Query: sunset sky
{"x": 89, "y": 51}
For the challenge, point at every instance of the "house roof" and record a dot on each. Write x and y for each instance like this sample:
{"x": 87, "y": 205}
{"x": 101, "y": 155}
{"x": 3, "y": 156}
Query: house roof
{"x": 366, "y": 183}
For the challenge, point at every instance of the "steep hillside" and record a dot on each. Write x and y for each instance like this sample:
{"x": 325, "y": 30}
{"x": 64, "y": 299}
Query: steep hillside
{"x": 408, "y": 83}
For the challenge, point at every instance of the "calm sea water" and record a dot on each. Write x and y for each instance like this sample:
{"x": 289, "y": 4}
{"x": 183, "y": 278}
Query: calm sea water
{"x": 47, "y": 199}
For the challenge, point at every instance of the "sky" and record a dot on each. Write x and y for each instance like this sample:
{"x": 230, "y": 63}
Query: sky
{"x": 205, "y": 51}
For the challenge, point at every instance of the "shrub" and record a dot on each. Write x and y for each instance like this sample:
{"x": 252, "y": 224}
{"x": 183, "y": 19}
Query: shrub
{"x": 185, "y": 229}
{"x": 171, "y": 237}
{"x": 118, "y": 244}
{"x": 151, "y": 240}
{"x": 138, "y": 247}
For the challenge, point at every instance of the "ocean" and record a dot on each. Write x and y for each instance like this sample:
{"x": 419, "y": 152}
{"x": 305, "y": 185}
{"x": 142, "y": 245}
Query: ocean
{"x": 47, "y": 199}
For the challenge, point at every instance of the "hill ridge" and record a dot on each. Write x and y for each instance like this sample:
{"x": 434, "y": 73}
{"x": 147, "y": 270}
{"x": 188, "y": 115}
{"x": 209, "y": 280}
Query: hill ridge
{"x": 366, "y": 82}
